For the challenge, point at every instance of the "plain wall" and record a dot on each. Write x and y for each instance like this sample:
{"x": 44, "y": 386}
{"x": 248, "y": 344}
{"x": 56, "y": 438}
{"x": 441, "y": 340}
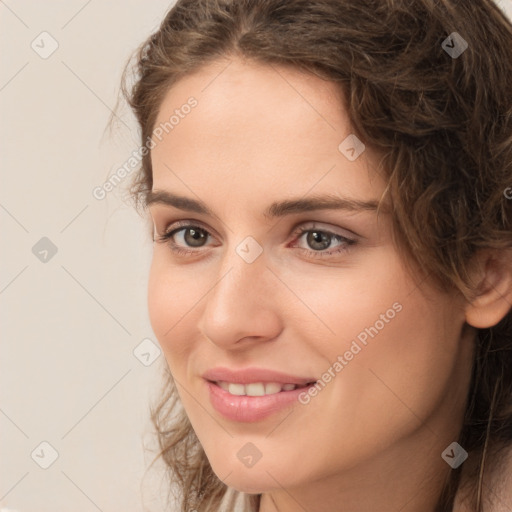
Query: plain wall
{"x": 70, "y": 321}
{"x": 70, "y": 324}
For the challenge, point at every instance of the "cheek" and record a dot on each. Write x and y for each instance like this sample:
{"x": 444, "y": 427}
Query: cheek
{"x": 170, "y": 298}
{"x": 393, "y": 341}
{"x": 353, "y": 303}
{"x": 160, "y": 301}
{"x": 416, "y": 355}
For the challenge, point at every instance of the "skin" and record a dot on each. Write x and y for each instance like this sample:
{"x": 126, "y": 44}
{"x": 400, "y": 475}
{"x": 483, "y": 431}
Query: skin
{"x": 372, "y": 438}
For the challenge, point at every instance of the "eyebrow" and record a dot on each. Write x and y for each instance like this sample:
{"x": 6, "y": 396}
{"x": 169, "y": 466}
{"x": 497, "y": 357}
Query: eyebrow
{"x": 276, "y": 209}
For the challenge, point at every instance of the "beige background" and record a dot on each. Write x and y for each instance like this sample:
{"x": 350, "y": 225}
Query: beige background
{"x": 71, "y": 320}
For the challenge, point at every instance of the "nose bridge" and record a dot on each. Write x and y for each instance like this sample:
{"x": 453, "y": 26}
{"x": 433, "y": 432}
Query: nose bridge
{"x": 240, "y": 280}
{"x": 239, "y": 305}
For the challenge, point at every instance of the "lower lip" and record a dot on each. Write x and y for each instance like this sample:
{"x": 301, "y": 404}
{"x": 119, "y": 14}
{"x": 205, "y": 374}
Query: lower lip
{"x": 250, "y": 408}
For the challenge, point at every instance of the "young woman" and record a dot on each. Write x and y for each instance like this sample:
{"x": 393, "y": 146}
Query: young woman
{"x": 330, "y": 186}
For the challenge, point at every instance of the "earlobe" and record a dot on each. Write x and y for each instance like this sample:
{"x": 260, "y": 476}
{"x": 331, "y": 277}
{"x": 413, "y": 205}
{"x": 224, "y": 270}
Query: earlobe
{"x": 493, "y": 298}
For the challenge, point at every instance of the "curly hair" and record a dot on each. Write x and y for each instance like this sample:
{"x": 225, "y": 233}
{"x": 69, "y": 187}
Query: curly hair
{"x": 444, "y": 126}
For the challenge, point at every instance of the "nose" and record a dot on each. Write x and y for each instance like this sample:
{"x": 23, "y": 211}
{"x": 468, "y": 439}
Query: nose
{"x": 242, "y": 307}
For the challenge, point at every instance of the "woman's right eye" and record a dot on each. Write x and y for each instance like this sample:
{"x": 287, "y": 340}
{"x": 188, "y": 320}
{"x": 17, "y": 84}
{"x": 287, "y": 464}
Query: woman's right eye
{"x": 191, "y": 236}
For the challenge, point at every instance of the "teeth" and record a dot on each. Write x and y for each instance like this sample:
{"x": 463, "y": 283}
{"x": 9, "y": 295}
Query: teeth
{"x": 255, "y": 388}
{"x": 271, "y": 388}
{"x": 236, "y": 389}
{"x": 223, "y": 385}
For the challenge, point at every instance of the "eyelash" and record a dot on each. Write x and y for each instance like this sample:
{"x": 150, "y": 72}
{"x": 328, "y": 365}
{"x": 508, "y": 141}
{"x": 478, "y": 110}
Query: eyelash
{"x": 167, "y": 237}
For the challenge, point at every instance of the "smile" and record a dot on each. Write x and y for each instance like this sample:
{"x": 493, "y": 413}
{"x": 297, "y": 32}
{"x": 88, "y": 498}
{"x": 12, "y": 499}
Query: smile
{"x": 256, "y": 388}
{"x": 254, "y": 401}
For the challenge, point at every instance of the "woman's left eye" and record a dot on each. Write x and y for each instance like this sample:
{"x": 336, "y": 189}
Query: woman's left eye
{"x": 320, "y": 240}
{"x": 193, "y": 236}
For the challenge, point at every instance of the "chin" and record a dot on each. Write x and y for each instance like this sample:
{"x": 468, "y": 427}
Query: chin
{"x": 250, "y": 480}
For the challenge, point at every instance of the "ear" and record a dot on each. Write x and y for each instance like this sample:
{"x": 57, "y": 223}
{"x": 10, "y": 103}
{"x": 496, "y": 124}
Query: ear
{"x": 493, "y": 300}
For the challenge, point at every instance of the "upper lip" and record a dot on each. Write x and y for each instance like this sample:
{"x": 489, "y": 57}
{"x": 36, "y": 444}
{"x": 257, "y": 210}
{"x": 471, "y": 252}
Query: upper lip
{"x": 249, "y": 375}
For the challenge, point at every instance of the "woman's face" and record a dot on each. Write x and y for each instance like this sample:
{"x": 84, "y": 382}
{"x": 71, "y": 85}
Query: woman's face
{"x": 288, "y": 276}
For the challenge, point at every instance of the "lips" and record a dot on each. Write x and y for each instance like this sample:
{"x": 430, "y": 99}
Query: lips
{"x": 255, "y": 375}
{"x": 253, "y": 394}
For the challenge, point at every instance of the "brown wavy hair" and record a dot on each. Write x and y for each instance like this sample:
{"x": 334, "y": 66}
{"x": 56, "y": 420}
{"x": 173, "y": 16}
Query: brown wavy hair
{"x": 444, "y": 126}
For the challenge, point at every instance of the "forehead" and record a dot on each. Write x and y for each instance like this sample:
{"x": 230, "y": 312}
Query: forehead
{"x": 260, "y": 99}
{"x": 266, "y": 85}
{"x": 258, "y": 127}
